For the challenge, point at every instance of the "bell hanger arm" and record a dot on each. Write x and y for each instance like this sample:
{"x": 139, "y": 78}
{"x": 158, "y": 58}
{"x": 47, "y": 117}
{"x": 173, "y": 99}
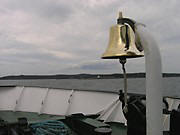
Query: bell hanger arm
{"x": 128, "y": 21}
{"x": 133, "y": 24}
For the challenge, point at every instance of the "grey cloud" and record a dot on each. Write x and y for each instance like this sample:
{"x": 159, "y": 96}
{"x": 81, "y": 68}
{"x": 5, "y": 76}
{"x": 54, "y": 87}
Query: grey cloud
{"x": 20, "y": 52}
{"x": 92, "y": 67}
{"x": 11, "y": 43}
{"x": 81, "y": 29}
{"x": 50, "y": 10}
{"x": 27, "y": 57}
{"x": 98, "y": 66}
{"x": 106, "y": 66}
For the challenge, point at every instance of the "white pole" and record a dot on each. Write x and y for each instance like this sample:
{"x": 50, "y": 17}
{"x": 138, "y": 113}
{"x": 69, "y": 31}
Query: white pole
{"x": 153, "y": 83}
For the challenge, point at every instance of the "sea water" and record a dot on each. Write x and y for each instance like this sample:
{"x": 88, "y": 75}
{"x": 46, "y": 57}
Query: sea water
{"x": 171, "y": 85}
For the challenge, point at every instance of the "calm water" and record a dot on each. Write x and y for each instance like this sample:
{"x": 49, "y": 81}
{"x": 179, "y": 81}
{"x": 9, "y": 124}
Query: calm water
{"x": 171, "y": 85}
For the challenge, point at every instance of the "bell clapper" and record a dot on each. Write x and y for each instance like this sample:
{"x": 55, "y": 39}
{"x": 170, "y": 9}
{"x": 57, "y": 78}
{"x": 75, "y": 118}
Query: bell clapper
{"x": 123, "y": 62}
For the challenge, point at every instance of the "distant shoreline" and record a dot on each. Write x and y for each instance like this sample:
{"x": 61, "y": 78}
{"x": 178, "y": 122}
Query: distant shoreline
{"x": 82, "y": 76}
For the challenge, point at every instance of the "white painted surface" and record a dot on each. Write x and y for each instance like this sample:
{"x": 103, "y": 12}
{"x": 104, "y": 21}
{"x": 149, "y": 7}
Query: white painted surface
{"x": 60, "y": 102}
{"x": 31, "y": 99}
{"x": 55, "y": 101}
{"x": 44, "y": 102}
{"x": 90, "y": 102}
{"x": 8, "y": 97}
{"x": 70, "y": 102}
{"x": 154, "y": 115}
{"x": 18, "y": 99}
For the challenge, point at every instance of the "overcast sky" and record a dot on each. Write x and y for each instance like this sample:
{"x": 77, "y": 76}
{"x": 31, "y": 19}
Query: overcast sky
{"x": 69, "y": 36}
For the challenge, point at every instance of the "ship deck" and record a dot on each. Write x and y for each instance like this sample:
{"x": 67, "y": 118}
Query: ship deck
{"x": 12, "y": 117}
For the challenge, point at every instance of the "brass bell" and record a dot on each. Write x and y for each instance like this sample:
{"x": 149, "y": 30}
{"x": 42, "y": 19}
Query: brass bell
{"x": 123, "y": 43}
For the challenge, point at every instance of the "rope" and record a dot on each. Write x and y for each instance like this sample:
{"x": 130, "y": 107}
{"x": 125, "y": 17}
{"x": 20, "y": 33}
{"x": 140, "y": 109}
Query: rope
{"x": 50, "y": 127}
{"x": 123, "y": 61}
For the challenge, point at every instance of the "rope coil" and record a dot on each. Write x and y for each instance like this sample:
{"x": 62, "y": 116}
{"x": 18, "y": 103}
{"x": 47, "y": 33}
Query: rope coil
{"x": 50, "y": 127}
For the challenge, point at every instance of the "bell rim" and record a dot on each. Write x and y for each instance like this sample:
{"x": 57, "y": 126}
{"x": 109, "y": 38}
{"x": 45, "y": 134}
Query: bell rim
{"x": 119, "y": 57}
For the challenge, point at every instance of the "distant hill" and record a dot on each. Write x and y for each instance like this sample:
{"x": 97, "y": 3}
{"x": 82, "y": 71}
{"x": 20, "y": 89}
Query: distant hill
{"x": 82, "y": 76}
